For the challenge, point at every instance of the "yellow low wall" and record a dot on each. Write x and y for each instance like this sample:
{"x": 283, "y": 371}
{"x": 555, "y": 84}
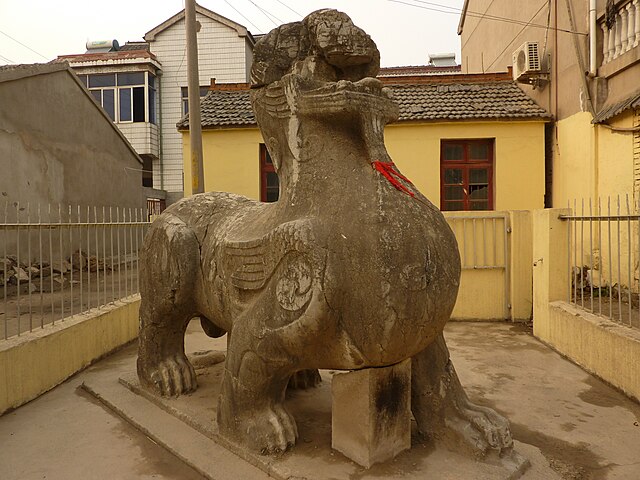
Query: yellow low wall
{"x": 35, "y": 362}
{"x": 600, "y": 346}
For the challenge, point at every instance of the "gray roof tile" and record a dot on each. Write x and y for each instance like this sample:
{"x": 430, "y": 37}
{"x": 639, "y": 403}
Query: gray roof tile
{"x": 456, "y": 101}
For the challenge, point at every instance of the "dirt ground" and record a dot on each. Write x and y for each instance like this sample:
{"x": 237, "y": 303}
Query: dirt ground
{"x": 21, "y": 312}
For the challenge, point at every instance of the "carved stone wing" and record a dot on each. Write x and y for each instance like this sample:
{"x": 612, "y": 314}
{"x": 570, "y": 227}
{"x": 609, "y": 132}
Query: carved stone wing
{"x": 253, "y": 262}
{"x": 249, "y": 263}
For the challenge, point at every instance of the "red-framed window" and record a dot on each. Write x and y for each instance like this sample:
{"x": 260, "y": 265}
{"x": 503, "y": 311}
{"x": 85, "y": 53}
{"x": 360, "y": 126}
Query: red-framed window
{"x": 466, "y": 174}
{"x": 269, "y": 184}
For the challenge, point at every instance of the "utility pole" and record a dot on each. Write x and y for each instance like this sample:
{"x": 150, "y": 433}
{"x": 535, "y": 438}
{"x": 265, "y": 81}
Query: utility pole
{"x": 193, "y": 87}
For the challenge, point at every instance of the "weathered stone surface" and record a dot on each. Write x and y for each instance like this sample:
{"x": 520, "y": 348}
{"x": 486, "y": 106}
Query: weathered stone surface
{"x": 351, "y": 268}
{"x": 371, "y": 414}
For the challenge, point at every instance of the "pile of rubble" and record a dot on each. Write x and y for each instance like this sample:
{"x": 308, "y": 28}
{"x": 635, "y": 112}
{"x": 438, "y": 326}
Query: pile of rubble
{"x": 14, "y": 273}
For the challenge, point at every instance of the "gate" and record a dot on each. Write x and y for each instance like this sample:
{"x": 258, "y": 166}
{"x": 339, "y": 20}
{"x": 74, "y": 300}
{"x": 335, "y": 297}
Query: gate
{"x": 484, "y": 254}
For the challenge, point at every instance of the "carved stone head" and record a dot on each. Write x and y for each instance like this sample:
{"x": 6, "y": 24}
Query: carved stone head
{"x": 321, "y": 69}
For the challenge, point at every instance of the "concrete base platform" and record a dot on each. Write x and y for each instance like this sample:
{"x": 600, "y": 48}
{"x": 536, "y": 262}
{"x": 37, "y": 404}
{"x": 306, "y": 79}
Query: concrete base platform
{"x": 186, "y": 426}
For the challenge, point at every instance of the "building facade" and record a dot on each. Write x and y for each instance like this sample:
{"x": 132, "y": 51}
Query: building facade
{"x": 143, "y": 87}
{"x": 468, "y": 142}
{"x": 588, "y": 77}
{"x": 57, "y": 148}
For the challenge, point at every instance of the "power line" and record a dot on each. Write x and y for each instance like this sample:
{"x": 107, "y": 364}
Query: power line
{"x": 6, "y": 59}
{"x": 481, "y": 16}
{"x": 20, "y": 43}
{"x": 516, "y": 36}
{"x": 284, "y": 4}
{"x": 266, "y": 13}
{"x": 238, "y": 12}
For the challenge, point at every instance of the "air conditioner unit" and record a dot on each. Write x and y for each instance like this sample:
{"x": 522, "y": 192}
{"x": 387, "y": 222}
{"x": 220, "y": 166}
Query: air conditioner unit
{"x": 526, "y": 62}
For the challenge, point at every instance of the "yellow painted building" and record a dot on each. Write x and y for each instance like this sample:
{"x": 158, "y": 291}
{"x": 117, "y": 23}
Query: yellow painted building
{"x": 445, "y": 123}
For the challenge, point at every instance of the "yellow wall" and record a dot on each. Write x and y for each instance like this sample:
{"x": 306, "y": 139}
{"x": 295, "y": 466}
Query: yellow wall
{"x": 592, "y": 161}
{"x": 35, "y": 362}
{"x": 231, "y": 161}
{"x": 231, "y": 158}
{"x": 519, "y": 158}
{"x": 605, "y": 348}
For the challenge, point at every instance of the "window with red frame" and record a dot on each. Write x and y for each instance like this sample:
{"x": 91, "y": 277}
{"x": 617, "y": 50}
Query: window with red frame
{"x": 466, "y": 175}
{"x": 269, "y": 184}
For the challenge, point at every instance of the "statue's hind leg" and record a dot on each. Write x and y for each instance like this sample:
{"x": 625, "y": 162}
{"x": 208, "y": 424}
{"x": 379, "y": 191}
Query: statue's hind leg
{"x": 443, "y": 411}
{"x": 169, "y": 273}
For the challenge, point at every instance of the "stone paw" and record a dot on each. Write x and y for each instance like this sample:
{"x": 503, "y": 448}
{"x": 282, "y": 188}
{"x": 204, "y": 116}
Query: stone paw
{"x": 171, "y": 377}
{"x": 305, "y": 379}
{"x": 480, "y": 428}
{"x": 269, "y": 431}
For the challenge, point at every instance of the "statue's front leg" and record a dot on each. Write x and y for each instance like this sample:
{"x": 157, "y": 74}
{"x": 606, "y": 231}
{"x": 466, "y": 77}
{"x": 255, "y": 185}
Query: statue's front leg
{"x": 251, "y": 407}
{"x": 443, "y": 411}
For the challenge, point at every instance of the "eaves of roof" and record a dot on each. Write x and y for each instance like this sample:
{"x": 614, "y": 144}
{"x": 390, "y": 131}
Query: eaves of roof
{"x": 240, "y": 29}
{"x": 463, "y": 16}
{"x": 16, "y": 72}
{"x": 632, "y": 101}
{"x": 126, "y": 55}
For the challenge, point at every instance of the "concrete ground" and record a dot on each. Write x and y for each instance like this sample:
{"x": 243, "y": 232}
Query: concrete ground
{"x": 568, "y": 423}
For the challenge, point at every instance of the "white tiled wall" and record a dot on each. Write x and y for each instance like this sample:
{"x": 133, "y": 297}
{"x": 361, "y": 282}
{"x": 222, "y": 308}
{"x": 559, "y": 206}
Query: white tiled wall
{"x": 223, "y": 56}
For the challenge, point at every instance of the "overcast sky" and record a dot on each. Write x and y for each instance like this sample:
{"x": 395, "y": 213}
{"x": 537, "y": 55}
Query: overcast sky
{"x": 40, "y": 30}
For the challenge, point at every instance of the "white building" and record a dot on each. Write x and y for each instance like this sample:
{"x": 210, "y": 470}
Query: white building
{"x": 143, "y": 87}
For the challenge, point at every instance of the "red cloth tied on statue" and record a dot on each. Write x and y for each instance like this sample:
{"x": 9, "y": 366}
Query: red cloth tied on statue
{"x": 388, "y": 171}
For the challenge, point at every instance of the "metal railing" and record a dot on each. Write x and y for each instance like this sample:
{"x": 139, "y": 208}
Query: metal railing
{"x": 58, "y": 262}
{"x": 604, "y": 249}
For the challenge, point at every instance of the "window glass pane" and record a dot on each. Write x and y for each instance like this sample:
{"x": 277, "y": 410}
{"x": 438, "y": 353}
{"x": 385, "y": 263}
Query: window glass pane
{"x": 272, "y": 190}
{"x": 479, "y": 205}
{"x": 267, "y": 158}
{"x": 479, "y": 151}
{"x": 102, "y": 80}
{"x": 453, "y": 151}
{"x": 125, "y": 104}
{"x": 131, "y": 78}
{"x": 479, "y": 175}
{"x": 109, "y": 103}
{"x": 453, "y": 206}
{"x": 138, "y": 104}
{"x": 152, "y": 80}
{"x": 453, "y": 193}
{"x": 152, "y": 105}
{"x": 97, "y": 94}
{"x": 453, "y": 176}
{"x": 477, "y": 192}
{"x": 83, "y": 79}
{"x": 185, "y": 107}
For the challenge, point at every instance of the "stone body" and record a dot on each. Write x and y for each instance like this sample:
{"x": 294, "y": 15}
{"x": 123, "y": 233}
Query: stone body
{"x": 350, "y": 268}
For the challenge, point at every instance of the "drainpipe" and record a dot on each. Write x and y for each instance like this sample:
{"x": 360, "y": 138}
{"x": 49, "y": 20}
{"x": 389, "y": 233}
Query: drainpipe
{"x": 592, "y": 39}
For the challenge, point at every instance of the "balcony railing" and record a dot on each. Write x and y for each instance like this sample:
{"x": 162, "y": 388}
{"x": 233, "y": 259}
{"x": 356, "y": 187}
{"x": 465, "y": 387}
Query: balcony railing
{"x": 621, "y": 30}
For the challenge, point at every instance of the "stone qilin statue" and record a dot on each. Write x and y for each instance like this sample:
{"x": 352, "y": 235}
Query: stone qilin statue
{"x": 351, "y": 268}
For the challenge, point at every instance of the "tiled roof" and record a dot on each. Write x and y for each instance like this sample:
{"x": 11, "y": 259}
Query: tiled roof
{"x": 414, "y": 70}
{"x": 129, "y": 46}
{"x": 106, "y": 56}
{"x": 633, "y": 101}
{"x": 224, "y": 108}
{"x": 455, "y": 101}
{"x": 491, "y": 100}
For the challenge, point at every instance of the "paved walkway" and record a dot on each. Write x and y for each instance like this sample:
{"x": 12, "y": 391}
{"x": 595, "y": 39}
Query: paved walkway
{"x": 569, "y": 424}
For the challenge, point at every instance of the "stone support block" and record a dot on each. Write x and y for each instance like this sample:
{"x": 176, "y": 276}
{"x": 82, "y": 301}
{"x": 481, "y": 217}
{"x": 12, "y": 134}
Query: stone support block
{"x": 371, "y": 413}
